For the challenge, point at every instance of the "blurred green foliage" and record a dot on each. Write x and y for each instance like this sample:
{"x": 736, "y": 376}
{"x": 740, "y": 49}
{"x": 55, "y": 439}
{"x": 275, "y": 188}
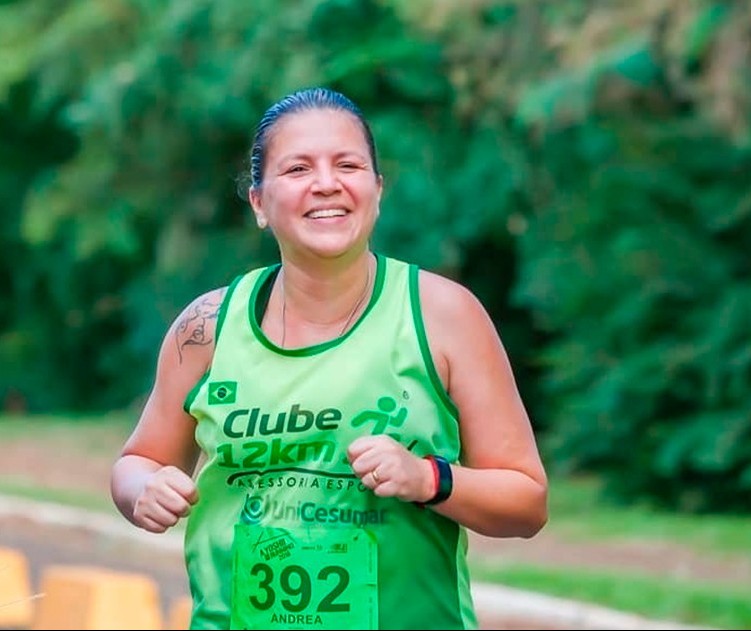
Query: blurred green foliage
{"x": 582, "y": 166}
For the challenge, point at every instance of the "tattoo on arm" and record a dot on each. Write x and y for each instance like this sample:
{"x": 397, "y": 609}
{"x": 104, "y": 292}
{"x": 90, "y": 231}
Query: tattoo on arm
{"x": 191, "y": 329}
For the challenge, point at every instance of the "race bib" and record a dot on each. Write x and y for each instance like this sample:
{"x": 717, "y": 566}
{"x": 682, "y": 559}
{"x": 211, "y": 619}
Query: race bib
{"x": 304, "y": 579}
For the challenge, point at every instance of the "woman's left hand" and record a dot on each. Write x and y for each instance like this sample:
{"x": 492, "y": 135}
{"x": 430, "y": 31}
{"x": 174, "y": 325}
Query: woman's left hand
{"x": 390, "y": 470}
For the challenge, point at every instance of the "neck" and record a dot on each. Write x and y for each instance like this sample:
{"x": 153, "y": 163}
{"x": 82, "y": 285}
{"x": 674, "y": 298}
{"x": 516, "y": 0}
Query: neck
{"x": 317, "y": 309}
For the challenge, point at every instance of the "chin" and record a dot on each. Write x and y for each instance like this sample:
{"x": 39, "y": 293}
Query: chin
{"x": 334, "y": 248}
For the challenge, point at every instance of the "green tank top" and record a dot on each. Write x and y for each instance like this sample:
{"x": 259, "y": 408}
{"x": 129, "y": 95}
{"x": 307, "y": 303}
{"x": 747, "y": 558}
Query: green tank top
{"x": 284, "y": 535}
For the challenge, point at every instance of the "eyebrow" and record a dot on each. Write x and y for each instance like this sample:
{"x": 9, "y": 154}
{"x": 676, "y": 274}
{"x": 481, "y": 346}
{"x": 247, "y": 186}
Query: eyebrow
{"x": 339, "y": 155}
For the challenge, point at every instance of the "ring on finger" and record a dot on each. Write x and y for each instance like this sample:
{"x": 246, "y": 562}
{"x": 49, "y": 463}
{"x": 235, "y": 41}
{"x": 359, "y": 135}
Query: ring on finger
{"x": 376, "y": 477}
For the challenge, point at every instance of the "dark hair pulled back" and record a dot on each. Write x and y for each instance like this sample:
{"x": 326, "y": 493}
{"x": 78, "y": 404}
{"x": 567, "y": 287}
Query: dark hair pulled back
{"x": 316, "y": 98}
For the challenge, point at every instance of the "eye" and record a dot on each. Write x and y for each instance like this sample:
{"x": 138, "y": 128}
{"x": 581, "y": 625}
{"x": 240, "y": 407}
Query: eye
{"x": 296, "y": 168}
{"x": 349, "y": 166}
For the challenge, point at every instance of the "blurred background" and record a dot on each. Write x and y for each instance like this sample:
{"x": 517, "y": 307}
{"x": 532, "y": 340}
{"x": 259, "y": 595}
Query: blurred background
{"x": 583, "y": 166}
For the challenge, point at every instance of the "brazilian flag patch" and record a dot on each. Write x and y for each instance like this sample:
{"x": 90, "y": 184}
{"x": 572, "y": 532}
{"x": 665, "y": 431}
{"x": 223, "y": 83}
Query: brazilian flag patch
{"x": 222, "y": 392}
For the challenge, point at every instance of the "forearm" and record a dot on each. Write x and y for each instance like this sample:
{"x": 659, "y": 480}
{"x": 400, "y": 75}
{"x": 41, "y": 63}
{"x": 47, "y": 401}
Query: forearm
{"x": 496, "y": 502}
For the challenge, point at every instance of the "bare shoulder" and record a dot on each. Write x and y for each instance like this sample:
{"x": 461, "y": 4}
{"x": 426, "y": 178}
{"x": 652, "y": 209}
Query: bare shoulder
{"x": 460, "y": 332}
{"x": 194, "y": 328}
{"x": 165, "y": 430}
{"x": 446, "y": 302}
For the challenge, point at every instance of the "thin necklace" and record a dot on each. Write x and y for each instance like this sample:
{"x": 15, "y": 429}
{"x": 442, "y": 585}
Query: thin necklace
{"x": 351, "y": 315}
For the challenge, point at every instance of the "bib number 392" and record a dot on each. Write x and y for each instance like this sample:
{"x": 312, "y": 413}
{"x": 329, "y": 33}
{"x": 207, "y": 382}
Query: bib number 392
{"x": 307, "y": 579}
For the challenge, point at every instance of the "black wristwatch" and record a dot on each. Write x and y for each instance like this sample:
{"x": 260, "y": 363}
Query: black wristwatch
{"x": 444, "y": 480}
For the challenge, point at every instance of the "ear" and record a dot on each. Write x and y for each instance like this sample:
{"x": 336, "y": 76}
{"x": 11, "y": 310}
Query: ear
{"x": 380, "y": 192}
{"x": 254, "y": 197}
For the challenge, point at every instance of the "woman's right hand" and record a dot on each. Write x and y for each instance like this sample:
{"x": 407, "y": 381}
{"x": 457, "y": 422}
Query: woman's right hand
{"x": 166, "y": 497}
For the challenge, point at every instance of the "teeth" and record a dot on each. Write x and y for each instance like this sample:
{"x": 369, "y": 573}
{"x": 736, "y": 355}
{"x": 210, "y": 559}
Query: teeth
{"x": 327, "y": 212}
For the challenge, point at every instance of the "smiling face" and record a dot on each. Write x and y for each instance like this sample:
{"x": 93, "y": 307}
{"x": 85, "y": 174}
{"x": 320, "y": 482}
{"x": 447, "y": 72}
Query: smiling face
{"x": 320, "y": 194}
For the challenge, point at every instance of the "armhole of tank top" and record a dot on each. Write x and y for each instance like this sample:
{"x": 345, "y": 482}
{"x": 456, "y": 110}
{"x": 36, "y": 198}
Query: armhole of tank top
{"x": 219, "y": 323}
{"x": 422, "y": 340}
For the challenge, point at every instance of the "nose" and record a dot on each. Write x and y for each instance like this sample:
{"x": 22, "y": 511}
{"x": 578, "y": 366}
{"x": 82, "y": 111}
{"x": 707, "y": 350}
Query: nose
{"x": 326, "y": 181}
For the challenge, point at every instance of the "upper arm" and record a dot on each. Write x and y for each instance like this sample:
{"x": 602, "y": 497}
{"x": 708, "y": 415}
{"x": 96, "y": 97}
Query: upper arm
{"x": 165, "y": 432}
{"x": 470, "y": 357}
